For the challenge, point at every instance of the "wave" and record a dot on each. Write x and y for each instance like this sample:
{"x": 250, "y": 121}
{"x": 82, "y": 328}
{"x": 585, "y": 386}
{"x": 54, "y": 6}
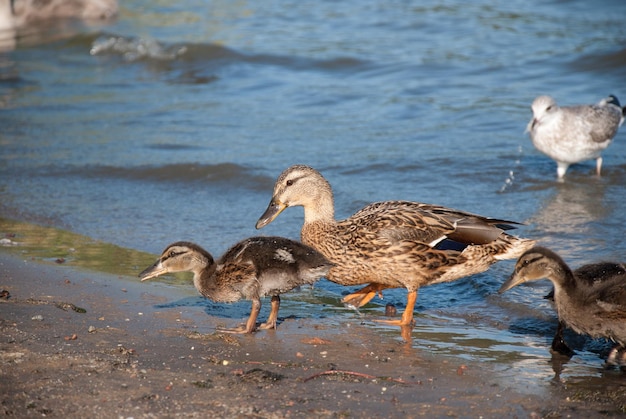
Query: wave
{"x": 222, "y": 174}
{"x": 134, "y": 49}
{"x": 607, "y": 62}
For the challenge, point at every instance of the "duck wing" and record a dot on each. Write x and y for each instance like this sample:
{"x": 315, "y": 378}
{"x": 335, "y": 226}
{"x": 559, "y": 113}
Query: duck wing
{"x": 607, "y": 291}
{"x": 613, "y": 297}
{"x": 396, "y": 221}
{"x": 429, "y": 224}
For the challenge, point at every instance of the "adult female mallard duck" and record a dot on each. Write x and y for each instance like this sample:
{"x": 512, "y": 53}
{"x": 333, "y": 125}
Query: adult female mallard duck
{"x": 251, "y": 269}
{"x": 391, "y": 244}
{"x": 590, "y": 300}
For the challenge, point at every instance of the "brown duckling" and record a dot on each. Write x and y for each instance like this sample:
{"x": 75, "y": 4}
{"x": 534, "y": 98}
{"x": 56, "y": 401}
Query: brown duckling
{"x": 251, "y": 269}
{"x": 588, "y": 275}
{"x": 590, "y": 300}
{"x": 391, "y": 244}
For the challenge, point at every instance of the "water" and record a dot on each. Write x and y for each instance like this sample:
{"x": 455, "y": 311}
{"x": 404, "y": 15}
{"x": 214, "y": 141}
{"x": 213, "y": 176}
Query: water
{"x": 173, "y": 122}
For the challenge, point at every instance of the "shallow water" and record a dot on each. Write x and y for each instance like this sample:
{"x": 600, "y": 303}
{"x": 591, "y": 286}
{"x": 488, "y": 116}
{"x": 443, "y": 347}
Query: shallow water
{"x": 174, "y": 121}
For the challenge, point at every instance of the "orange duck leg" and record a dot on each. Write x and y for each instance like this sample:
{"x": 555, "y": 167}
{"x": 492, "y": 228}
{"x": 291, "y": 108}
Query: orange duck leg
{"x": 364, "y": 295}
{"x": 407, "y": 315}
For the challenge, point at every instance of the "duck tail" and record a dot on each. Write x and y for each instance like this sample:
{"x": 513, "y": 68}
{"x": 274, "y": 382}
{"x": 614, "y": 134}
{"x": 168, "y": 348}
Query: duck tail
{"x": 510, "y": 247}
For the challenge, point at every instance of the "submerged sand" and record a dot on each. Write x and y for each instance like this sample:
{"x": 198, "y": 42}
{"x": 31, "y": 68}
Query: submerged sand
{"x": 79, "y": 343}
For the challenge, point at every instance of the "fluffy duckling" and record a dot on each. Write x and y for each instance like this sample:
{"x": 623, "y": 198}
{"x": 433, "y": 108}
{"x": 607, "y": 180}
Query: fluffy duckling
{"x": 571, "y": 134}
{"x": 590, "y": 300}
{"x": 251, "y": 269}
{"x": 588, "y": 276}
{"x": 391, "y": 244}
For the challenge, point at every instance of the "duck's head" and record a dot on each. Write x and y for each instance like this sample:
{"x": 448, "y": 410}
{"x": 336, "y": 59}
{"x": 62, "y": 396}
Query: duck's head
{"x": 536, "y": 263}
{"x": 299, "y": 185}
{"x": 178, "y": 257}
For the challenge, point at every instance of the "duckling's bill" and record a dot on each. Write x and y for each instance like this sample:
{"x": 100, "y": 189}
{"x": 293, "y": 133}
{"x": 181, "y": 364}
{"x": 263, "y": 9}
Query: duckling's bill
{"x": 513, "y": 281}
{"x": 274, "y": 208}
{"x": 152, "y": 271}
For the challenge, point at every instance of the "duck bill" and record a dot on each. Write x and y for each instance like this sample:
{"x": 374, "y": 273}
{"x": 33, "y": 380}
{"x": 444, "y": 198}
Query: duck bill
{"x": 273, "y": 209}
{"x": 511, "y": 282}
{"x": 152, "y": 271}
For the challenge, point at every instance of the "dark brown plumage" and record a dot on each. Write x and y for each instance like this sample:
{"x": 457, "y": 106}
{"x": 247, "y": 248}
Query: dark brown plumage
{"x": 590, "y": 300}
{"x": 586, "y": 276}
{"x": 391, "y": 244}
{"x": 251, "y": 269}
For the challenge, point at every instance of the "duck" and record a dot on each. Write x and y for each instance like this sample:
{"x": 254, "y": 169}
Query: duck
{"x": 20, "y": 13}
{"x": 391, "y": 244}
{"x": 590, "y": 300}
{"x": 571, "y": 134}
{"x": 251, "y": 269}
{"x": 587, "y": 276}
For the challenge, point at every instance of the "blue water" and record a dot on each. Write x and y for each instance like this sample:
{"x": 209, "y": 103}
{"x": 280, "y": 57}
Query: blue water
{"x": 173, "y": 122}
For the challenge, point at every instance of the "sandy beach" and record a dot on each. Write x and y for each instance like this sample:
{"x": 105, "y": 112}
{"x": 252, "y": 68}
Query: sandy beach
{"x": 77, "y": 343}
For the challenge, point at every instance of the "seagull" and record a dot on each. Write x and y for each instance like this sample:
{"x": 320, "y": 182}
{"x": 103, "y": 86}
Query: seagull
{"x": 571, "y": 134}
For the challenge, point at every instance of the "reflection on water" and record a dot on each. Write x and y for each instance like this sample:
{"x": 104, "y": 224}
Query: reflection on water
{"x": 61, "y": 246}
{"x": 566, "y": 217}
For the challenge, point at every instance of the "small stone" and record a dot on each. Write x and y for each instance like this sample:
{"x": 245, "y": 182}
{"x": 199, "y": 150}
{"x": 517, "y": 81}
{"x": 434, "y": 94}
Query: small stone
{"x": 91, "y": 329}
{"x": 461, "y": 370}
{"x": 38, "y": 317}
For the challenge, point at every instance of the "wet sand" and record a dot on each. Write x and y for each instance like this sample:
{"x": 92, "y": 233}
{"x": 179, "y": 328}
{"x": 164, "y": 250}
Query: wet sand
{"x": 79, "y": 343}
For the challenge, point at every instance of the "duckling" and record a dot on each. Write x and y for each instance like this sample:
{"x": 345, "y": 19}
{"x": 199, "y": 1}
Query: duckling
{"x": 251, "y": 269}
{"x": 590, "y": 300}
{"x": 588, "y": 276}
{"x": 391, "y": 244}
{"x": 571, "y": 134}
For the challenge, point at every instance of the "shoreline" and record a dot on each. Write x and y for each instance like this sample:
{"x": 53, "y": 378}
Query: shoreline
{"x": 131, "y": 354}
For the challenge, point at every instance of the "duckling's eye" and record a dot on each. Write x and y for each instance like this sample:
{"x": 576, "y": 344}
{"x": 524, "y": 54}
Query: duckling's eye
{"x": 289, "y": 182}
{"x": 172, "y": 254}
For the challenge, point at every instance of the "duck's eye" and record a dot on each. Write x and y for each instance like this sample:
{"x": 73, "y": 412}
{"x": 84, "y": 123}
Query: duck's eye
{"x": 289, "y": 182}
{"x": 549, "y": 108}
{"x": 172, "y": 254}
